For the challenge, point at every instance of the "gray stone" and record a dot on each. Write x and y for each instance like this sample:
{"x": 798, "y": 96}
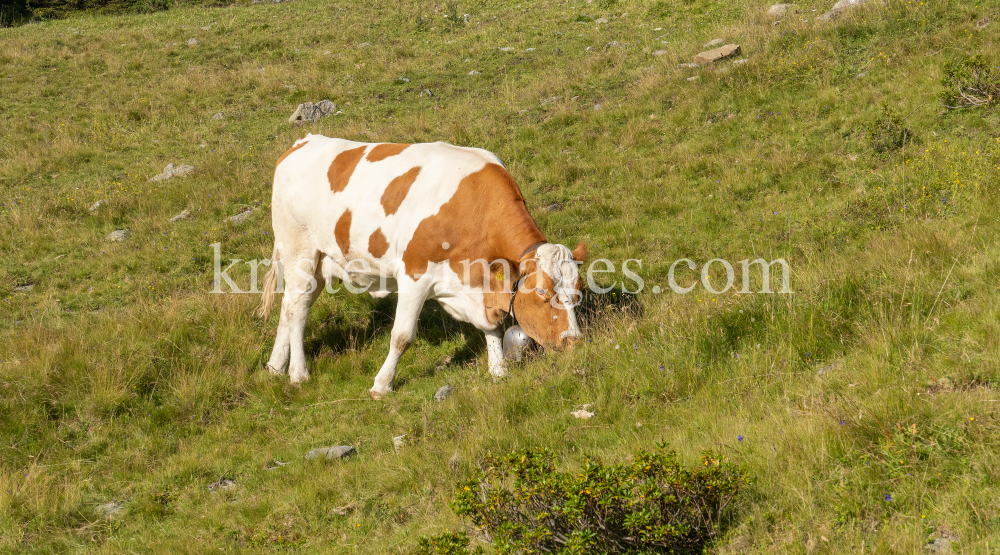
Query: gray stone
{"x": 397, "y": 442}
{"x": 94, "y": 207}
{"x": 332, "y": 453}
{"x": 982, "y": 23}
{"x": 597, "y": 107}
{"x": 840, "y": 7}
{"x": 172, "y": 171}
{"x": 613, "y": 44}
{"x": 741, "y": 61}
{"x": 443, "y": 393}
{"x": 689, "y": 65}
{"x": 309, "y": 112}
{"x": 507, "y": 49}
{"x": 192, "y": 42}
{"x": 695, "y": 78}
{"x": 207, "y": 27}
{"x": 600, "y": 20}
{"x": 218, "y": 116}
{"x": 403, "y": 80}
{"x": 223, "y": 484}
{"x": 118, "y": 235}
{"x": 473, "y": 72}
{"x": 942, "y": 542}
{"x": 550, "y": 100}
{"x": 24, "y": 288}
{"x": 829, "y": 368}
{"x": 239, "y": 218}
{"x": 427, "y": 93}
{"x": 181, "y": 216}
{"x": 109, "y": 509}
{"x": 659, "y": 52}
{"x": 713, "y": 42}
{"x": 779, "y": 10}
{"x": 717, "y": 54}
{"x": 553, "y": 207}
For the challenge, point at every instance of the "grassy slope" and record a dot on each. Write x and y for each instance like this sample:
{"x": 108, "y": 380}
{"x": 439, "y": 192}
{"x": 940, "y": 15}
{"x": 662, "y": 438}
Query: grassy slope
{"x": 123, "y": 379}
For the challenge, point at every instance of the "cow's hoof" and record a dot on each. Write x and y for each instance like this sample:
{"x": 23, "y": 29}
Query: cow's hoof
{"x": 498, "y": 372}
{"x": 274, "y": 371}
{"x": 378, "y": 393}
{"x": 298, "y": 377}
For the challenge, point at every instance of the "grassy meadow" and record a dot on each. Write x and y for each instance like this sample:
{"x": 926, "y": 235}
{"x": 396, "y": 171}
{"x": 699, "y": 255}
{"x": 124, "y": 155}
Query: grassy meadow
{"x": 865, "y": 405}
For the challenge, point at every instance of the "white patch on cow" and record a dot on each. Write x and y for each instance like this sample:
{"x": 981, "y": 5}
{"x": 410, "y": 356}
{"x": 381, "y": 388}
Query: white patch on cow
{"x": 557, "y": 261}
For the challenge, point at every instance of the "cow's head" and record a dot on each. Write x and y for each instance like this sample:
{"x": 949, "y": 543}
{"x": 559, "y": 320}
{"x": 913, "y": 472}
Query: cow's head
{"x": 550, "y": 289}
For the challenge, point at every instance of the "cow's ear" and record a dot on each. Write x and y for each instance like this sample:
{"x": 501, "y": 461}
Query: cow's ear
{"x": 580, "y": 252}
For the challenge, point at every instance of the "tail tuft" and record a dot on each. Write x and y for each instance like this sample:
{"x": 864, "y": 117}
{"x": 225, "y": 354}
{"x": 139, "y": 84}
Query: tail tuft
{"x": 270, "y": 286}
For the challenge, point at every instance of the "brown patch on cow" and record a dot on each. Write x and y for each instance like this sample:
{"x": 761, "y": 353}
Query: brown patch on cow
{"x": 289, "y": 151}
{"x": 397, "y": 190}
{"x": 580, "y": 252}
{"x": 385, "y": 150}
{"x": 534, "y": 310}
{"x": 377, "y": 245}
{"x": 343, "y": 232}
{"x": 486, "y": 219}
{"x": 343, "y": 167}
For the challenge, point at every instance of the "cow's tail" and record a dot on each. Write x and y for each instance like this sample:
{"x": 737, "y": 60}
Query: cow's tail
{"x": 270, "y": 286}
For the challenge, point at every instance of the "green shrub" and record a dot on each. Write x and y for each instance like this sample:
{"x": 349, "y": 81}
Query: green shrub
{"x": 887, "y": 133}
{"x": 448, "y": 543}
{"x": 522, "y": 504}
{"x": 970, "y": 83}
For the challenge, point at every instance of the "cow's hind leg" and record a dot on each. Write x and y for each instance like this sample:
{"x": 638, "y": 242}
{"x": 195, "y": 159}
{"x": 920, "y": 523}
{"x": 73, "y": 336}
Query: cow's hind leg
{"x": 299, "y": 294}
{"x": 404, "y": 331}
{"x": 494, "y": 352}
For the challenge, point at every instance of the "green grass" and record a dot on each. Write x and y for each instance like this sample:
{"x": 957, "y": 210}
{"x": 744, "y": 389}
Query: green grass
{"x": 122, "y": 379}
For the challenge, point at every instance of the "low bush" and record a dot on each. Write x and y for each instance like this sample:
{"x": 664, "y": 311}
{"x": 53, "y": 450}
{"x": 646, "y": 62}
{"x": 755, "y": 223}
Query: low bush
{"x": 522, "y": 504}
{"x": 969, "y": 83}
{"x": 887, "y": 133}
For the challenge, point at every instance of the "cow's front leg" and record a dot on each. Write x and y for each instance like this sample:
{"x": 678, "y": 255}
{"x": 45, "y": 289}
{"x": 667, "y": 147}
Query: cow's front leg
{"x": 494, "y": 352}
{"x": 404, "y": 331}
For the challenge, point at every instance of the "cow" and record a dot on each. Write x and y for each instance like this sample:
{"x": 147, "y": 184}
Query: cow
{"x": 428, "y": 221}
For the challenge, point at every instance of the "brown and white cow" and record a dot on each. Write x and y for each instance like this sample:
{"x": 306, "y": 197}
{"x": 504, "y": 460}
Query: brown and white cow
{"x": 430, "y": 221}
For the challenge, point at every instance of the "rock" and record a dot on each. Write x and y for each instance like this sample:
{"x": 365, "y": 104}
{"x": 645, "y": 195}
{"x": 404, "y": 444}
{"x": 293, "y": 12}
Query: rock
{"x": 982, "y": 23}
{"x": 118, "y": 235}
{"x": 839, "y": 8}
{"x": 172, "y": 171}
{"x": 218, "y": 116}
{"x": 689, "y": 66}
{"x": 427, "y": 93}
{"x": 659, "y": 52}
{"x": 97, "y": 205}
{"x": 829, "y": 368}
{"x": 942, "y": 541}
{"x": 275, "y": 464}
{"x": 443, "y": 393}
{"x": 309, "y": 112}
{"x": 181, "y": 216}
{"x": 741, "y": 61}
{"x": 192, "y": 42}
{"x": 695, "y": 78}
{"x": 717, "y": 54}
{"x": 473, "y": 72}
{"x": 207, "y": 27}
{"x": 713, "y": 42}
{"x": 779, "y": 10}
{"x": 397, "y": 442}
{"x": 600, "y": 20}
{"x": 109, "y": 509}
{"x": 550, "y": 100}
{"x": 24, "y": 288}
{"x": 507, "y": 49}
{"x": 240, "y": 217}
{"x": 332, "y": 453}
{"x": 453, "y": 462}
{"x": 223, "y": 484}
{"x": 553, "y": 207}
{"x": 529, "y": 49}
{"x": 597, "y": 107}
{"x": 583, "y": 413}
{"x": 402, "y": 80}
{"x": 613, "y": 44}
